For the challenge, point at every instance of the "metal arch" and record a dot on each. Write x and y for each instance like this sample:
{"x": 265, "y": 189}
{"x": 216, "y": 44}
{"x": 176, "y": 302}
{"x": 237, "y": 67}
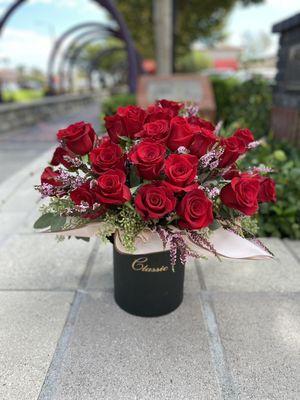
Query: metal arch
{"x": 66, "y": 54}
{"x": 110, "y": 6}
{"x": 104, "y": 53}
{"x": 73, "y": 57}
{"x": 96, "y": 62}
{"x": 59, "y": 42}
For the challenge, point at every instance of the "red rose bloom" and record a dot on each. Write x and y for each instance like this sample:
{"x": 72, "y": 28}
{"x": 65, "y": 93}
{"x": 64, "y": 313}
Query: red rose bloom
{"x": 233, "y": 148}
{"x": 133, "y": 118}
{"x": 155, "y": 113}
{"x": 127, "y": 122}
{"x": 201, "y": 123}
{"x": 202, "y": 142}
{"x": 107, "y": 156}
{"x": 83, "y": 194}
{"x": 114, "y": 127}
{"x": 111, "y": 188}
{"x": 245, "y": 136}
{"x": 241, "y": 194}
{"x": 148, "y": 158}
{"x": 181, "y": 170}
{"x": 79, "y": 138}
{"x": 267, "y": 190}
{"x": 157, "y": 131}
{"x": 173, "y": 106}
{"x": 181, "y": 133}
{"x": 195, "y": 210}
{"x": 154, "y": 200}
{"x": 51, "y": 177}
{"x": 58, "y": 158}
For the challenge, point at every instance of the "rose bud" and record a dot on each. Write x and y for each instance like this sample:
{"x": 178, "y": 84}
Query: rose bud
{"x": 79, "y": 138}
{"x": 115, "y": 127}
{"x": 245, "y": 136}
{"x": 267, "y": 190}
{"x": 51, "y": 177}
{"x": 173, "y": 106}
{"x": 60, "y": 156}
{"x": 127, "y": 122}
{"x": 201, "y": 123}
{"x": 232, "y": 172}
{"x": 202, "y": 142}
{"x": 181, "y": 133}
{"x": 155, "y": 113}
{"x": 233, "y": 149}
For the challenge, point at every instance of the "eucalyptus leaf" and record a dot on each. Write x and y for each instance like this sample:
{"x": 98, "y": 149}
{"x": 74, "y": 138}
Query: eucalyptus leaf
{"x": 86, "y": 239}
{"x": 214, "y": 226}
{"x": 58, "y": 223}
{"x": 44, "y": 221}
{"x": 85, "y": 158}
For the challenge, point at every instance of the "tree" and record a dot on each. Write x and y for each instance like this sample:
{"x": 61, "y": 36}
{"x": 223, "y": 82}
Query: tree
{"x": 110, "y": 59}
{"x": 194, "y": 19}
{"x": 193, "y": 61}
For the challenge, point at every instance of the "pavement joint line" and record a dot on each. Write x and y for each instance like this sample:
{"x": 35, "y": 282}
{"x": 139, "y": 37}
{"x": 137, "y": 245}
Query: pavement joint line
{"x": 291, "y": 250}
{"x": 217, "y": 351}
{"x": 49, "y": 386}
{"x": 52, "y": 377}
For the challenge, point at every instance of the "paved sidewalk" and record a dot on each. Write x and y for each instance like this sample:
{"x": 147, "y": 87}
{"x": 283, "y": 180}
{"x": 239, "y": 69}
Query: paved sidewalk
{"x": 19, "y": 147}
{"x": 62, "y": 337}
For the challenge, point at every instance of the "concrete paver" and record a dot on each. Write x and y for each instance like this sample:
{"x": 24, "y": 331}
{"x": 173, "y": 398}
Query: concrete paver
{"x": 21, "y": 147}
{"x": 280, "y": 274}
{"x": 260, "y": 333}
{"x": 116, "y": 356}
{"x": 38, "y": 262}
{"x": 30, "y": 326}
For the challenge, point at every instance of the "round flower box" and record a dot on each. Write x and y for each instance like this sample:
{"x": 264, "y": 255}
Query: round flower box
{"x": 146, "y": 284}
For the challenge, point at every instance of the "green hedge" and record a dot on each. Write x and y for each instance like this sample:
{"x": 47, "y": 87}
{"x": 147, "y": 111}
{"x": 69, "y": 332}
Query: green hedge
{"x": 246, "y": 104}
{"x": 111, "y": 104}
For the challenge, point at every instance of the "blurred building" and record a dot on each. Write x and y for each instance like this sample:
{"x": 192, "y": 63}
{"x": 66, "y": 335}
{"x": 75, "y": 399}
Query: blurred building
{"x": 286, "y": 96}
{"x": 8, "y": 75}
{"x": 224, "y": 57}
{"x": 264, "y": 66}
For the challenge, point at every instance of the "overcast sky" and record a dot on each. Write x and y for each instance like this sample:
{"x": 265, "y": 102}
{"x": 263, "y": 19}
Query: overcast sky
{"x": 30, "y": 32}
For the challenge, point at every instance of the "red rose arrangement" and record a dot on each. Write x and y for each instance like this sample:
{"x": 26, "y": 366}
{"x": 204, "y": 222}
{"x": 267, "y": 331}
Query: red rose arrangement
{"x": 163, "y": 168}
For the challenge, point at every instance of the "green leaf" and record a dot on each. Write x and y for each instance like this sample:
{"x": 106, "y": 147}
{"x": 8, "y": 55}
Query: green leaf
{"x": 134, "y": 189}
{"x": 134, "y": 178}
{"x": 215, "y": 225}
{"x": 86, "y": 239}
{"x": 44, "y": 221}
{"x": 57, "y": 223}
{"x": 125, "y": 139}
